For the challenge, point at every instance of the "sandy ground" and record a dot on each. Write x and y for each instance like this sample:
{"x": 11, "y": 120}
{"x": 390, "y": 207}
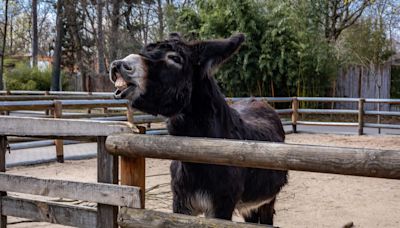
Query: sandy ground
{"x": 309, "y": 200}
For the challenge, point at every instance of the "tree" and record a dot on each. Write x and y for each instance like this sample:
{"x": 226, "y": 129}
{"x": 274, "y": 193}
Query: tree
{"x": 56, "y": 67}
{"x": 337, "y": 15}
{"x": 2, "y": 53}
{"x": 160, "y": 14}
{"x": 115, "y": 22}
{"x": 35, "y": 46}
{"x": 100, "y": 37}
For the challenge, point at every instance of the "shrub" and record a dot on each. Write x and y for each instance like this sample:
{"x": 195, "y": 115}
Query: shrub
{"x": 23, "y": 77}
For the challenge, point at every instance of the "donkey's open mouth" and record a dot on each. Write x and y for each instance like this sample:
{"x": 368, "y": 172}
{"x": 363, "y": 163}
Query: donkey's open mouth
{"x": 123, "y": 87}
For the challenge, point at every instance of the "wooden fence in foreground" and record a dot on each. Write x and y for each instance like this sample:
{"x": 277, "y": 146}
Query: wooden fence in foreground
{"x": 123, "y": 204}
{"x": 57, "y": 109}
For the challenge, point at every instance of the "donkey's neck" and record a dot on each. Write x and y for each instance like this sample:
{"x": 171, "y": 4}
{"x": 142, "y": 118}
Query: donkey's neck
{"x": 208, "y": 115}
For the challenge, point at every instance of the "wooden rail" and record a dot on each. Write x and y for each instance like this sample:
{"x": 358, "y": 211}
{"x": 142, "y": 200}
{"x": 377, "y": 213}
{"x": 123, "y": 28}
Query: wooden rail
{"x": 132, "y": 218}
{"x": 92, "y": 192}
{"x": 106, "y": 193}
{"x": 45, "y": 211}
{"x": 338, "y": 160}
{"x": 142, "y": 119}
{"x": 134, "y": 147}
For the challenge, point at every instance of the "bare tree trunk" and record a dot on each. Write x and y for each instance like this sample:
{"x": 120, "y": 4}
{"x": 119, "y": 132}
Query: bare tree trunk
{"x": 35, "y": 46}
{"x": 11, "y": 36}
{"x": 100, "y": 37}
{"x": 2, "y": 54}
{"x": 114, "y": 29}
{"x": 71, "y": 16}
{"x": 56, "y": 71}
{"x": 160, "y": 20}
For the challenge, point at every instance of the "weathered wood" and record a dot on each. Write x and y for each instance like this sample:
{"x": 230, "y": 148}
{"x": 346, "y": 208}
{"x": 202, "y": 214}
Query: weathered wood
{"x": 361, "y": 116}
{"x": 133, "y": 174}
{"x": 59, "y": 142}
{"x": 129, "y": 114}
{"x": 344, "y": 124}
{"x": 69, "y": 104}
{"x": 388, "y": 126}
{"x": 3, "y": 150}
{"x": 129, "y": 217}
{"x": 92, "y": 192}
{"x": 133, "y": 170}
{"x": 25, "y": 105}
{"x": 349, "y": 161}
{"x": 295, "y": 114}
{"x": 92, "y": 115}
{"x": 363, "y": 81}
{"x": 51, "y": 97}
{"x": 28, "y": 126}
{"x": 327, "y": 111}
{"x": 46, "y": 95}
{"x": 51, "y": 212}
{"x": 107, "y": 172}
{"x": 89, "y": 104}
{"x": 327, "y": 99}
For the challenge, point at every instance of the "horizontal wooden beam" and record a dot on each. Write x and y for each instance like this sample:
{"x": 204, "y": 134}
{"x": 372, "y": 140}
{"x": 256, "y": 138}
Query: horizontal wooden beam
{"x": 344, "y": 124}
{"x": 68, "y": 104}
{"x": 350, "y": 161}
{"x": 51, "y": 97}
{"x": 389, "y": 126}
{"x": 328, "y": 99}
{"x": 44, "y": 211}
{"x": 25, "y": 105}
{"x": 129, "y": 217}
{"x": 327, "y": 111}
{"x": 38, "y": 127}
{"x": 93, "y": 103}
{"x": 109, "y": 194}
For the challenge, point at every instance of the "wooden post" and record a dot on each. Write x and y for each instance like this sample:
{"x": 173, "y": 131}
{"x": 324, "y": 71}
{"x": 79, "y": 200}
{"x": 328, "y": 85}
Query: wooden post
{"x": 129, "y": 114}
{"x": 7, "y": 113}
{"x": 133, "y": 170}
{"x": 3, "y": 149}
{"x": 89, "y": 109}
{"x": 379, "y": 117}
{"x": 59, "y": 142}
{"x": 107, "y": 172}
{"x": 295, "y": 114}
{"x": 46, "y": 112}
{"x": 361, "y": 116}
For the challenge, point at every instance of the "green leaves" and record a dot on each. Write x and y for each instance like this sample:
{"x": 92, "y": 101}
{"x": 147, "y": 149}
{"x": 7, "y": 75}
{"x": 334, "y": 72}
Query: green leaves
{"x": 285, "y": 53}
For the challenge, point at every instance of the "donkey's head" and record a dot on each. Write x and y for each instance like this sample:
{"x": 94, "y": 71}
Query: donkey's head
{"x": 160, "y": 79}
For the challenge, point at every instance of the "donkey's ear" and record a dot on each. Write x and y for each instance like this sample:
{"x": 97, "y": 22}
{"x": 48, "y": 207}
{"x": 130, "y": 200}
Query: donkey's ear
{"x": 212, "y": 53}
{"x": 174, "y": 36}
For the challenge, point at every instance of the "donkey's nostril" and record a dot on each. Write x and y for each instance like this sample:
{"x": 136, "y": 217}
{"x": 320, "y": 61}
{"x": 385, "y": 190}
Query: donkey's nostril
{"x": 125, "y": 66}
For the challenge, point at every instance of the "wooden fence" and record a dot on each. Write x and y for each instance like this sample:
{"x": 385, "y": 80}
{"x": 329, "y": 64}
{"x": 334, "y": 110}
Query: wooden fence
{"x": 123, "y": 205}
{"x": 108, "y": 195}
{"x": 28, "y": 101}
{"x": 56, "y": 109}
{"x": 129, "y": 196}
{"x": 348, "y": 161}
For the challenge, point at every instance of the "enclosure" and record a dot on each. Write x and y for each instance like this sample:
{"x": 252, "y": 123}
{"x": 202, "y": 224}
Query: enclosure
{"x": 134, "y": 147}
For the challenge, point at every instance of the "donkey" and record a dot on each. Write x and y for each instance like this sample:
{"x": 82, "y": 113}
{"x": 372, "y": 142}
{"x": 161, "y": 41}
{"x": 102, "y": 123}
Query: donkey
{"x": 174, "y": 78}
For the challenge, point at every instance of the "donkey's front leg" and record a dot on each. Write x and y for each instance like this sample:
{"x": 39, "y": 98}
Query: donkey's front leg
{"x": 222, "y": 209}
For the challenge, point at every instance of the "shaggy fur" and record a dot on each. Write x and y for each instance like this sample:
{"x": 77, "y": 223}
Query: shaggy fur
{"x": 179, "y": 85}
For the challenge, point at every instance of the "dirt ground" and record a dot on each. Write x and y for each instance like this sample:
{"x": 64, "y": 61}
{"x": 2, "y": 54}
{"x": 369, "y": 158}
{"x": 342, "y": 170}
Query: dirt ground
{"x": 309, "y": 200}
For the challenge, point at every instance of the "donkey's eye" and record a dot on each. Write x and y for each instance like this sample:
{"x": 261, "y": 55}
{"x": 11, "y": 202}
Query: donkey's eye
{"x": 175, "y": 58}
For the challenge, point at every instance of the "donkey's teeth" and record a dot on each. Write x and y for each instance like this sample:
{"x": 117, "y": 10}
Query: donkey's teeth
{"x": 120, "y": 83}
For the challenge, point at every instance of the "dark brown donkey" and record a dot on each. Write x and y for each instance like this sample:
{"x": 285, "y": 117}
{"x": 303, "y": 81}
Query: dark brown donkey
{"x": 174, "y": 78}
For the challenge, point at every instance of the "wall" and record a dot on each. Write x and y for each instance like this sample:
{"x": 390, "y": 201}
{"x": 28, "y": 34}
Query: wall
{"x": 374, "y": 82}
